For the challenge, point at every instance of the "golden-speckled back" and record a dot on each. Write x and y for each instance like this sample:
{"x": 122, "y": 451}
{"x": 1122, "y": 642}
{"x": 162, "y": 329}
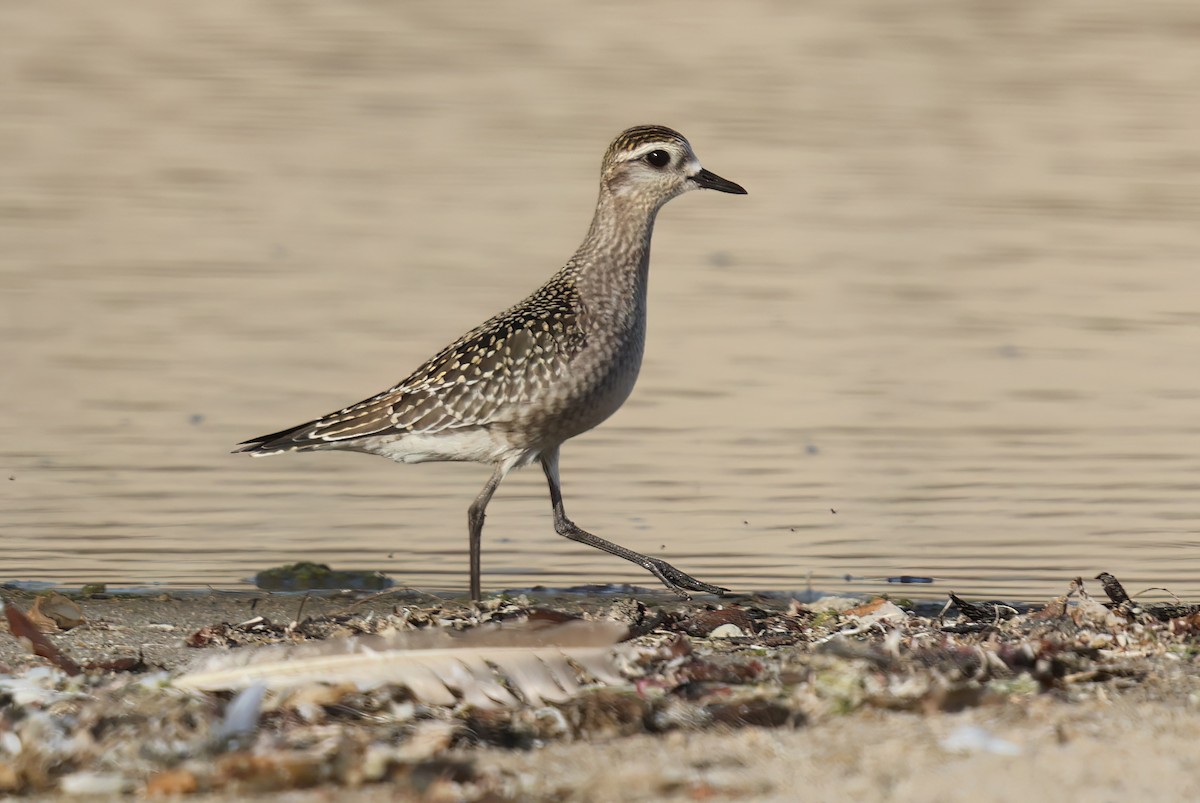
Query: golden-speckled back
{"x": 548, "y": 368}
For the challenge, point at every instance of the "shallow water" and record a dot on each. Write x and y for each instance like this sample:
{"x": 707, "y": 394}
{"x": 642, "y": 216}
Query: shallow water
{"x": 951, "y": 332}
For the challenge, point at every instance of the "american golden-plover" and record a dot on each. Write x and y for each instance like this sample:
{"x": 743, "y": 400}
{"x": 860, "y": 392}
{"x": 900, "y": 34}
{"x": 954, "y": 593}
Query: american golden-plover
{"x": 511, "y": 390}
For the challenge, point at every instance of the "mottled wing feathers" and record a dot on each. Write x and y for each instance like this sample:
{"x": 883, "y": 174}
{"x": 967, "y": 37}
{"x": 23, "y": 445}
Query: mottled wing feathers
{"x": 478, "y": 380}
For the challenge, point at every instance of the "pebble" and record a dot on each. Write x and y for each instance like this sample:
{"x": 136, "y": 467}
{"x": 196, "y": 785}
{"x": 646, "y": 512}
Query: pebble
{"x": 94, "y": 784}
{"x": 974, "y": 739}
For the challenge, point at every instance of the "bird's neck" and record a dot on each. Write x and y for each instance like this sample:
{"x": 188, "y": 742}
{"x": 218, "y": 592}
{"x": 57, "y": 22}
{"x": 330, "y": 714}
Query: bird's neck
{"x": 613, "y": 262}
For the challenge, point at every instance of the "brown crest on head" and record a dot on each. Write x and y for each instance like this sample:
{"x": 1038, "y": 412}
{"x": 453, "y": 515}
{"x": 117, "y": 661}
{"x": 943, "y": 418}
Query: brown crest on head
{"x": 631, "y": 139}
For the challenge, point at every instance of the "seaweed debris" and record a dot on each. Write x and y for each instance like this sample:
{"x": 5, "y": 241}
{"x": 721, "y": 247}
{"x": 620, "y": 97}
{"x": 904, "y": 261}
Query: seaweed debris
{"x": 111, "y": 727}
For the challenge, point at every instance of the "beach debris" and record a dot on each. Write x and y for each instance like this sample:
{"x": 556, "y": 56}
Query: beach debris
{"x": 1113, "y": 588}
{"x": 401, "y": 689}
{"x": 875, "y": 612}
{"x": 1160, "y": 611}
{"x": 241, "y": 716}
{"x": 485, "y": 667}
{"x": 132, "y": 665}
{"x": 834, "y": 604}
{"x": 974, "y": 739}
{"x": 1167, "y": 613}
{"x": 33, "y": 637}
{"x": 172, "y": 783}
{"x": 209, "y": 636}
{"x": 983, "y": 613}
{"x": 28, "y": 634}
{"x": 727, "y": 631}
{"x": 95, "y": 784}
{"x": 731, "y": 621}
{"x": 308, "y": 576}
{"x": 52, "y": 612}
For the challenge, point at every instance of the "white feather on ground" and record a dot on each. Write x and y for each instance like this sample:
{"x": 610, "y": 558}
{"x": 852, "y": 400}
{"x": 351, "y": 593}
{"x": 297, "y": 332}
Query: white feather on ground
{"x": 482, "y": 667}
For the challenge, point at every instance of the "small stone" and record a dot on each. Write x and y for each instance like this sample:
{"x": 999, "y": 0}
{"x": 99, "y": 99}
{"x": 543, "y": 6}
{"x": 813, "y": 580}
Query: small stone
{"x": 974, "y": 739}
{"x": 63, "y": 611}
{"x": 94, "y": 784}
{"x": 10, "y": 779}
{"x": 727, "y": 631}
{"x": 249, "y": 773}
{"x": 172, "y": 783}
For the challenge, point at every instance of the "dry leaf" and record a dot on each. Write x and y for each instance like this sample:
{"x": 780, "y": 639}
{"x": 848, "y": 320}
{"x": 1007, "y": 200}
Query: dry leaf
{"x": 25, "y": 631}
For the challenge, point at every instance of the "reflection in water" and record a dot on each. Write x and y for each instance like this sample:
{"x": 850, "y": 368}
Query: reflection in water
{"x": 951, "y": 333}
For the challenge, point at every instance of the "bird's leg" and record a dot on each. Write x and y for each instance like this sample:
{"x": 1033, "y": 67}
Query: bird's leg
{"x": 475, "y": 517}
{"x": 672, "y": 578}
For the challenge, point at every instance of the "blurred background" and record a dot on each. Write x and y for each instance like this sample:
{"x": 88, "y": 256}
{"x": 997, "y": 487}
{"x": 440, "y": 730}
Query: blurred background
{"x": 951, "y": 332}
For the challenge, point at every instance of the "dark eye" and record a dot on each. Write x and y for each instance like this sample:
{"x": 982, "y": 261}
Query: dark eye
{"x": 658, "y": 158}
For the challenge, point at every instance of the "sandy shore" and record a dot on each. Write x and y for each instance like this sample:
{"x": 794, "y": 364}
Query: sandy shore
{"x": 755, "y": 699}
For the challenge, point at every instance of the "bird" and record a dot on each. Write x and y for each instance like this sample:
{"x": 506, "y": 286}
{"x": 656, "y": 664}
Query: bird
{"x": 512, "y": 390}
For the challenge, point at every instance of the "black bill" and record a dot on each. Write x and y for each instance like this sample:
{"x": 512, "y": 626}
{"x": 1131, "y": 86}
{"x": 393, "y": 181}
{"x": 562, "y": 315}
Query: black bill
{"x": 711, "y": 181}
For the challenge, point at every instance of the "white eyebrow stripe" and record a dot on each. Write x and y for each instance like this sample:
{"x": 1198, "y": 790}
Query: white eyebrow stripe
{"x": 642, "y": 150}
